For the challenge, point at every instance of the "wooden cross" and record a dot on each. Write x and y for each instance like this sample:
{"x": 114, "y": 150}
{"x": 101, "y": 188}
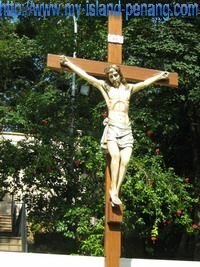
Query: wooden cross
{"x": 113, "y": 215}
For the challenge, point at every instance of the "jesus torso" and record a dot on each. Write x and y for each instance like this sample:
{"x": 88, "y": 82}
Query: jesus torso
{"x": 118, "y": 105}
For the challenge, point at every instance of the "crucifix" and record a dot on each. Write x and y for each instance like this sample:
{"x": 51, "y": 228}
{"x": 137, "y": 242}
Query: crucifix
{"x": 85, "y": 68}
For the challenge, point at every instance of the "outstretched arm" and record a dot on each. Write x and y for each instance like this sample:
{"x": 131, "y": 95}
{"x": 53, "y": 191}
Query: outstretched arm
{"x": 64, "y": 61}
{"x": 141, "y": 85}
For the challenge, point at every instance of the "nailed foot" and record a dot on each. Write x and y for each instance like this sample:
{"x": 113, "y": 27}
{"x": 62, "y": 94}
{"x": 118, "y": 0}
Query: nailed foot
{"x": 114, "y": 198}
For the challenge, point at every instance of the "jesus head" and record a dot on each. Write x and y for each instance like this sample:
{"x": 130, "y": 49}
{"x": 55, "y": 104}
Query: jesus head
{"x": 114, "y": 76}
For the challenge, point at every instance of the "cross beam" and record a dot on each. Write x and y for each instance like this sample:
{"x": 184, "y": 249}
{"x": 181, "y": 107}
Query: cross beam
{"x": 96, "y": 68}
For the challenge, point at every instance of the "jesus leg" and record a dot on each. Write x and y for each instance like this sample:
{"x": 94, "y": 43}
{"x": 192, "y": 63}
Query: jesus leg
{"x": 114, "y": 152}
{"x": 125, "y": 155}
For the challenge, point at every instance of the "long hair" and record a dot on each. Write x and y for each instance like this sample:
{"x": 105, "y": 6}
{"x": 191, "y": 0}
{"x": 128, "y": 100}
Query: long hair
{"x": 118, "y": 70}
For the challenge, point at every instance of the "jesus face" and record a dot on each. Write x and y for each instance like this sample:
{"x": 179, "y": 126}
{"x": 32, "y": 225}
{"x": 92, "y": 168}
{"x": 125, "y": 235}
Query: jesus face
{"x": 114, "y": 78}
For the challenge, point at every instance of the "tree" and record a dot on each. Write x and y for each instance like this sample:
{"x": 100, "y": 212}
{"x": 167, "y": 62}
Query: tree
{"x": 169, "y": 47}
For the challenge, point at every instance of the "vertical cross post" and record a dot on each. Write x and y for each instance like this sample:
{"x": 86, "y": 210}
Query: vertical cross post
{"x": 115, "y": 39}
{"x": 113, "y": 215}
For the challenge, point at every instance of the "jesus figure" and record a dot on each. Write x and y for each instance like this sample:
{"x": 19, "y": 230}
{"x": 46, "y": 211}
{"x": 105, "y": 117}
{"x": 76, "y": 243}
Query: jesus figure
{"x": 117, "y": 137}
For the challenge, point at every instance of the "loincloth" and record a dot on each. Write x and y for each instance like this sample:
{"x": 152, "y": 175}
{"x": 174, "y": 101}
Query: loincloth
{"x": 122, "y": 136}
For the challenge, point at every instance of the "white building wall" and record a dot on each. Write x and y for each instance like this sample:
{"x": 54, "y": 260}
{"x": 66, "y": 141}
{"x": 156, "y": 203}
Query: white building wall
{"x": 50, "y": 260}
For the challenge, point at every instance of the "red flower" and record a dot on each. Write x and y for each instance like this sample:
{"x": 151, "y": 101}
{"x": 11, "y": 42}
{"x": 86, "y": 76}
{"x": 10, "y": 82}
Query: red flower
{"x": 187, "y": 179}
{"x": 157, "y": 150}
{"x": 195, "y": 226}
{"x": 179, "y": 212}
{"x": 153, "y": 239}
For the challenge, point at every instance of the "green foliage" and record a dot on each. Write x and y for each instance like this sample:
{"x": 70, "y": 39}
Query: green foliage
{"x": 153, "y": 195}
{"x": 79, "y": 224}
